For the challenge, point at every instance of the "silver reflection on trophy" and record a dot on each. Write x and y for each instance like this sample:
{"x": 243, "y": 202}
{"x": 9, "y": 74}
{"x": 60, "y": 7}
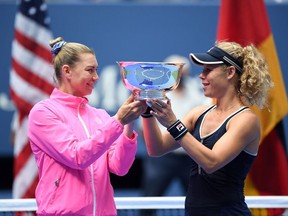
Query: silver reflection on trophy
{"x": 150, "y": 79}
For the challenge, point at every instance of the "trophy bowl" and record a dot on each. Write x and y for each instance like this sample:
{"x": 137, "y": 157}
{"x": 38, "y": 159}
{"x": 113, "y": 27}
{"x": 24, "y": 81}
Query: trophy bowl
{"x": 150, "y": 79}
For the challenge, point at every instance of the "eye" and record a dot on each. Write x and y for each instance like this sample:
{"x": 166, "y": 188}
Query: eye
{"x": 206, "y": 70}
{"x": 91, "y": 70}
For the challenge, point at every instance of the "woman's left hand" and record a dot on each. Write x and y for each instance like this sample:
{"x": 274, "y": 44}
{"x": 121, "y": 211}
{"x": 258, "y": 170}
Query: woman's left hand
{"x": 162, "y": 111}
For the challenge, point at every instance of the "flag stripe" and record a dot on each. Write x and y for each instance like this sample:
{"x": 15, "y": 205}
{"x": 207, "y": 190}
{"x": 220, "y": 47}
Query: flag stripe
{"x": 237, "y": 14}
{"x": 22, "y": 158}
{"x": 32, "y": 62}
{"x": 31, "y": 80}
{"x": 30, "y": 174}
{"x": 25, "y": 92}
{"x": 33, "y": 46}
{"x": 32, "y": 187}
{"x": 25, "y": 171}
{"x": 278, "y": 106}
{"x": 33, "y": 30}
{"x": 19, "y": 102}
{"x": 246, "y": 22}
{"x": 275, "y": 152}
{"x": 21, "y": 136}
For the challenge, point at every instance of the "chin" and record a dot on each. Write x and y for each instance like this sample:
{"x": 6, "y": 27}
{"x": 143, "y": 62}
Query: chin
{"x": 206, "y": 94}
{"x": 88, "y": 91}
{"x": 87, "y": 94}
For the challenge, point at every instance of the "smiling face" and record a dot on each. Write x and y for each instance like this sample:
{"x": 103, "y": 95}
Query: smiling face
{"x": 80, "y": 79}
{"x": 215, "y": 80}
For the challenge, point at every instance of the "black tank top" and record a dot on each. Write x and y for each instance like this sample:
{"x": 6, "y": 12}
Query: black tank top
{"x": 221, "y": 192}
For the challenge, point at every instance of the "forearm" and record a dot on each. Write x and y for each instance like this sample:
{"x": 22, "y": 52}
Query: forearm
{"x": 153, "y": 137}
{"x": 209, "y": 160}
{"x": 122, "y": 154}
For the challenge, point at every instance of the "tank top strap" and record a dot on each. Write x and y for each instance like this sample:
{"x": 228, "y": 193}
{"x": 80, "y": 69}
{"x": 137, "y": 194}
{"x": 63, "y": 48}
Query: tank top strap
{"x": 241, "y": 109}
{"x": 208, "y": 109}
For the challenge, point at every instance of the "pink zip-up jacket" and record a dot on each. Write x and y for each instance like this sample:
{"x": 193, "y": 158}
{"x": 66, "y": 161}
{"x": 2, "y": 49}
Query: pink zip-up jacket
{"x": 75, "y": 147}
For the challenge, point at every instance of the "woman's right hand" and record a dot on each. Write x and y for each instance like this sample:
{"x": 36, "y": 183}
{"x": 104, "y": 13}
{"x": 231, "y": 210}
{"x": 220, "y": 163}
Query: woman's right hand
{"x": 162, "y": 110}
{"x": 130, "y": 110}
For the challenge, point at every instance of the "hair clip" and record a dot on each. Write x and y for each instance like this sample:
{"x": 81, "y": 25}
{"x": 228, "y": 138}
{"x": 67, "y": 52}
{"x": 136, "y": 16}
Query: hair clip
{"x": 57, "y": 47}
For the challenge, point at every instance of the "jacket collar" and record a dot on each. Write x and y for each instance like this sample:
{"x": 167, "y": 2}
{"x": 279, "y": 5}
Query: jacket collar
{"x": 67, "y": 99}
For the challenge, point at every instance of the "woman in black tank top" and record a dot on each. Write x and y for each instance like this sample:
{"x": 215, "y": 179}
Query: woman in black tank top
{"x": 223, "y": 139}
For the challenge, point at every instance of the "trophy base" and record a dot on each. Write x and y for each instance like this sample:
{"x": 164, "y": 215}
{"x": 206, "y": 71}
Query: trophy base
{"x": 149, "y": 94}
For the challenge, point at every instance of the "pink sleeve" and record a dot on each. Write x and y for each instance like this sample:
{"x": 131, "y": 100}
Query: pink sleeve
{"x": 49, "y": 135}
{"x": 122, "y": 154}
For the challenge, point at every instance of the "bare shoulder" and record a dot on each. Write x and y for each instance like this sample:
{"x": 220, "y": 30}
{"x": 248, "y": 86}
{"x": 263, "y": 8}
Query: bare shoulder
{"x": 245, "y": 126}
{"x": 246, "y": 117}
{"x": 192, "y": 116}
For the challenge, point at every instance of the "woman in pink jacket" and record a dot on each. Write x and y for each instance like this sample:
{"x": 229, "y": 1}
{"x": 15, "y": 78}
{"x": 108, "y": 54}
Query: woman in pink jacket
{"x": 75, "y": 145}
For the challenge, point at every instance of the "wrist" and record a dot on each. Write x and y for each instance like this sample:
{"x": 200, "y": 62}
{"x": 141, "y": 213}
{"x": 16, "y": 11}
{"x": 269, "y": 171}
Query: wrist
{"x": 147, "y": 113}
{"x": 129, "y": 130}
{"x": 177, "y": 130}
{"x": 116, "y": 116}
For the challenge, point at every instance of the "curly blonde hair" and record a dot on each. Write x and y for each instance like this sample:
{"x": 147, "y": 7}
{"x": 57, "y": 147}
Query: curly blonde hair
{"x": 68, "y": 53}
{"x": 255, "y": 80}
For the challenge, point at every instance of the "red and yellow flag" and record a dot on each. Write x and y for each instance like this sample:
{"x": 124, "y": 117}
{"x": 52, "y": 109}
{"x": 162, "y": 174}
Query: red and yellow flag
{"x": 246, "y": 22}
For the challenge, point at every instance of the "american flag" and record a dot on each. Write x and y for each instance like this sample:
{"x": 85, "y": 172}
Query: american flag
{"x": 31, "y": 80}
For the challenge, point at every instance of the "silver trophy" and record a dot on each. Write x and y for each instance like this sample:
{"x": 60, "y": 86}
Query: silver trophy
{"x": 150, "y": 79}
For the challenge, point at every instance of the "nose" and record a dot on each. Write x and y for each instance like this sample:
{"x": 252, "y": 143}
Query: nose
{"x": 95, "y": 76}
{"x": 201, "y": 75}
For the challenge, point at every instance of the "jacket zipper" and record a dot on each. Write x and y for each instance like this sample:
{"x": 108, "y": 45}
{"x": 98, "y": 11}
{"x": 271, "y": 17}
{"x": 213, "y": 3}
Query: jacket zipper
{"x": 91, "y": 166}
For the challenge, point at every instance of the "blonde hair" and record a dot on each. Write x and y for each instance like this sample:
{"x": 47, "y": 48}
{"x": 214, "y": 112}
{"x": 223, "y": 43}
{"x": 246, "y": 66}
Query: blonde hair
{"x": 255, "y": 80}
{"x": 67, "y": 53}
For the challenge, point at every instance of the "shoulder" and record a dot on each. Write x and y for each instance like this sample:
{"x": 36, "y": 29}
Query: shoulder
{"x": 199, "y": 110}
{"x": 42, "y": 110}
{"x": 43, "y": 104}
{"x": 245, "y": 126}
{"x": 246, "y": 116}
{"x": 191, "y": 118}
{"x": 245, "y": 122}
